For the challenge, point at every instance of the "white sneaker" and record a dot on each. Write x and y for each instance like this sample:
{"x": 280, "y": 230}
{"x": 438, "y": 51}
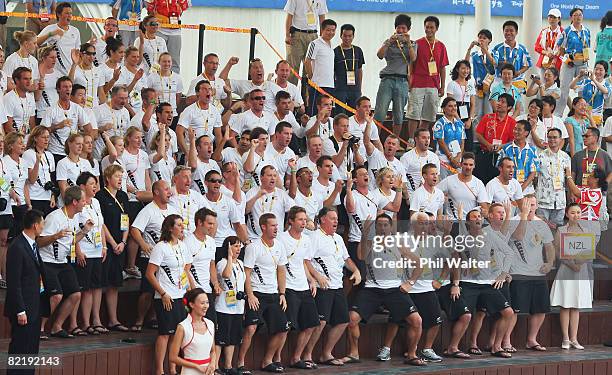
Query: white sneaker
{"x": 133, "y": 273}
{"x": 576, "y": 345}
{"x": 430, "y": 356}
{"x": 565, "y": 344}
{"x": 384, "y": 354}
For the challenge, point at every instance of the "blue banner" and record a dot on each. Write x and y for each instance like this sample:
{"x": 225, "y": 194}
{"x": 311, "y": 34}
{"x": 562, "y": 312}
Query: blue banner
{"x": 594, "y": 9}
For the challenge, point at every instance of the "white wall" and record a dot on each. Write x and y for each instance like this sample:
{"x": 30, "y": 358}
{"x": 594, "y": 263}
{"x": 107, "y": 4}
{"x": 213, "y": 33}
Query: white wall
{"x": 456, "y": 32}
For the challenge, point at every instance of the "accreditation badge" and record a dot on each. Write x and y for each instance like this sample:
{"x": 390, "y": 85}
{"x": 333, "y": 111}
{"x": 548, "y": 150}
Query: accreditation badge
{"x": 585, "y": 178}
{"x": 183, "y": 282}
{"x": 89, "y": 100}
{"x": 230, "y": 298}
{"x": 585, "y": 53}
{"x": 73, "y": 252}
{"x": 98, "y": 241}
{"x": 432, "y": 67}
{"x": 125, "y": 222}
{"x": 463, "y": 111}
{"x": 311, "y": 19}
{"x": 520, "y": 175}
{"x": 557, "y": 184}
{"x": 4, "y": 185}
{"x": 350, "y": 78}
{"x": 42, "y": 285}
{"x": 44, "y": 14}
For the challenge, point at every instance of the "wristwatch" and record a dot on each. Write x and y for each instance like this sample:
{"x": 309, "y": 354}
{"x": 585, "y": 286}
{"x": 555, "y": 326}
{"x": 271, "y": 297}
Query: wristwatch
{"x": 411, "y": 282}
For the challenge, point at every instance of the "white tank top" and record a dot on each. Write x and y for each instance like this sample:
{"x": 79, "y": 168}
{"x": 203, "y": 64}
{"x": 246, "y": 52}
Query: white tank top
{"x": 196, "y": 346}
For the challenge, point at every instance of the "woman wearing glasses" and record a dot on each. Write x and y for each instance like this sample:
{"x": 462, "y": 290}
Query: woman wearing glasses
{"x": 154, "y": 46}
{"x": 84, "y": 73}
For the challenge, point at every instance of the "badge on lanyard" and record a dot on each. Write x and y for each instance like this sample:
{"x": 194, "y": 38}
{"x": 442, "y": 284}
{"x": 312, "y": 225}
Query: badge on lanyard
{"x": 585, "y": 178}
{"x": 557, "y": 185}
{"x": 463, "y": 111}
{"x": 585, "y": 53}
{"x": 520, "y": 175}
{"x": 89, "y": 101}
{"x": 311, "y": 20}
{"x": 174, "y": 20}
{"x": 98, "y": 241}
{"x": 183, "y": 282}
{"x": 73, "y": 251}
{"x": 125, "y": 222}
{"x": 230, "y": 298}
{"x": 350, "y": 78}
{"x": 433, "y": 68}
{"x": 493, "y": 262}
{"x": 44, "y": 13}
{"x": 4, "y": 185}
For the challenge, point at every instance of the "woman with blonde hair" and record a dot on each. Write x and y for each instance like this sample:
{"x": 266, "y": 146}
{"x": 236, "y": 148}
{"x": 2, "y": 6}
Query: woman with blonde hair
{"x": 113, "y": 157}
{"x": 14, "y": 166}
{"x": 40, "y": 164}
{"x": 169, "y": 85}
{"x": 386, "y": 182}
{"x": 71, "y": 167}
{"x": 24, "y": 56}
{"x": 162, "y": 161}
{"x": 131, "y": 76}
{"x": 48, "y": 96}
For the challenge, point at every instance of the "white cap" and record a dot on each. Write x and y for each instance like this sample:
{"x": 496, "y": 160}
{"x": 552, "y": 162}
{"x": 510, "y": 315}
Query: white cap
{"x": 555, "y": 13}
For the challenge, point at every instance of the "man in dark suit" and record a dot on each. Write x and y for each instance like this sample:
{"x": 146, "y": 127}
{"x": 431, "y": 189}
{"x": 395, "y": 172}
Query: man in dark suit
{"x": 24, "y": 277}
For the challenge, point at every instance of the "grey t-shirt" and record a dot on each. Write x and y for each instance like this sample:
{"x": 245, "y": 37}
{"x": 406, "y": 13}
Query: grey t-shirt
{"x": 397, "y": 63}
{"x": 579, "y": 163}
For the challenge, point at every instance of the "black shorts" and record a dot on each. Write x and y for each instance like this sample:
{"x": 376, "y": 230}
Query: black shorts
{"x": 429, "y": 308}
{"x": 453, "y": 309}
{"x": 211, "y": 313}
{"x": 483, "y": 296}
{"x": 301, "y": 310}
{"x": 133, "y": 209}
{"x": 269, "y": 312}
{"x": 60, "y": 278}
{"x": 530, "y": 296}
{"x": 332, "y": 306}
{"x": 90, "y": 276}
{"x": 167, "y": 321}
{"x": 6, "y": 221}
{"x": 229, "y": 329}
{"x": 145, "y": 285}
{"x": 42, "y": 206}
{"x": 113, "y": 269}
{"x": 368, "y": 300}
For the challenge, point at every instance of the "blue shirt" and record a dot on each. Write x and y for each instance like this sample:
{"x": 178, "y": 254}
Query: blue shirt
{"x": 499, "y": 89}
{"x": 453, "y": 133}
{"x": 594, "y": 98}
{"x": 481, "y": 67}
{"x": 517, "y": 56}
{"x": 579, "y": 131}
{"x": 525, "y": 160}
{"x": 573, "y": 40}
{"x": 36, "y": 4}
{"x": 127, "y": 7}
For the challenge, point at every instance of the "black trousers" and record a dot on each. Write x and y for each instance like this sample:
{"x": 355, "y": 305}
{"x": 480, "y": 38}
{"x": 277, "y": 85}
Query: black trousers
{"x": 25, "y": 340}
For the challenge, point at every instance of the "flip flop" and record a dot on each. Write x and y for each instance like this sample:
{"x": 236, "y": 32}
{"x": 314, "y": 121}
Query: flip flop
{"x": 118, "y": 328}
{"x": 458, "y": 354}
{"x": 302, "y": 365}
{"x": 474, "y": 351}
{"x": 242, "y": 370}
{"x": 501, "y": 354}
{"x": 273, "y": 367}
{"x": 92, "y": 331}
{"x": 311, "y": 363}
{"x": 136, "y": 328}
{"x": 416, "y": 361}
{"x": 510, "y": 349}
{"x": 350, "y": 359}
{"x": 536, "y": 348}
{"x": 101, "y": 329}
{"x": 62, "y": 334}
{"x": 332, "y": 362}
{"x": 78, "y": 332}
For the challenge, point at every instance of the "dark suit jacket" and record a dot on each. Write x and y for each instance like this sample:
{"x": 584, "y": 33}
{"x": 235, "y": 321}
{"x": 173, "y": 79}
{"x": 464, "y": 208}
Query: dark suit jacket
{"x": 23, "y": 273}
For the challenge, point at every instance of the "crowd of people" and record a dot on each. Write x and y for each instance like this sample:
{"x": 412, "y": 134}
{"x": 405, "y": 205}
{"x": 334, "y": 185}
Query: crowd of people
{"x": 241, "y": 203}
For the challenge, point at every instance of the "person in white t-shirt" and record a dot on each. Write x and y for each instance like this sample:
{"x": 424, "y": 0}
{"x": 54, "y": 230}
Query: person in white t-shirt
{"x": 321, "y": 124}
{"x": 57, "y": 245}
{"x": 202, "y": 116}
{"x": 314, "y": 152}
{"x": 323, "y": 186}
{"x": 46, "y": 95}
{"x": 137, "y": 165}
{"x": 303, "y": 196}
{"x": 24, "y": 56}
{"x": 145, "y": 233}
{"x": 329, "y": 256}
{"x": 232, "y": 188}
{"x": 186, "y": 201}
{"x": 63, "y": 35}
{"x": 319, "y": 63}
{"x": 278, "y": 152}
{"x": 229, "y": 221}
{"x": 112, "y": 117}
{"x": 19, "y": 104}
{"x": 201, "y": 244}
{"x": 169, "y": 276}
{"x": 283, "y": 73}
{"x": 257, "y": 81}
{"x": 464, "y": 189}
{"x": 253, "y": 161}
{"x": 505, "y": 187}
{"x": 265, "y": 261}
{"x": 538, "y": 133}
{"x": 380, "y": 159}
{"x": 200, "y": 161}
{"x": 40, "y": 164}
{"x": 222, "y": 95}
{"x": 415, "y": 159}
{"x": 428, "y": 198}
{"x": 359, "y": 121}
{"x": 267, "y": 198}
{"x": 229, "y": 305}
{"x": 302, "y": 314}
{"x": 153, "y": 46}
{"x": 161, "y": 159}
{"x": 224, "y": 155}
{"x": 64, "y": 118}
{"x": 70, "y": 167}
{"x": 342, "y": 148}
{"x": 169, "y": 85}
{"x": 85, "y": 73}
{"x": 254, "y": 117}
{"x": 283, "y": 112}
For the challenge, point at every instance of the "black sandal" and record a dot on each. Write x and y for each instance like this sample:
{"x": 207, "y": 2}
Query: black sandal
{"x": 474, "y": 350}
{"x": 78, "y": 332}
{"x": 302, "y": 365}
{"x": 416, "y": 361}
{"x": 501, "y": 354}
{"x": 136, "y": 328}
{"x": 62, "y": 334}
{"x": 118, "y": 328}
{"x": 273, "y": 367}
{"x": 92, "y": 331}
{"x": 244, "y": 371}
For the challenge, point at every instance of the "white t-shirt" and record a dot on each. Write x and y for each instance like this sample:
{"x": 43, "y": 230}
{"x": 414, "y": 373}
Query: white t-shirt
{"x": 152, "y": 49}
{"x": 162, "y": 170}
{"x": 296, "y": 252}
{"x": 20, "y": 110}
{"x": 46, "y": 167}
{"x": 528, "y": 252}
{"x": 383, "y": 200}
{"x": 240, "y": 206}
{"x": 167, "y": 88}
{"x": 106, "y": 163}
{"x": 324, "y": 191}
{"x": 292, "y": 89}
{"x": 264, "y": 261}
{"x": 277, "y": 202}
{"x": 377, "y": 161}
{"x": 500, "y": 193}
{"x": 49, "y": 95}
{"x": 203, "y": 253}
{"x": 67, "y": 170}
{"x": 332, "y": 149}
{"x": 91, "y": 244}
{"x": 149, "y": 222}
{"x": 365, "y": 206}
{"x": 322, "y": 55}
{"x": 297, "y": 128}
{"x": 136, "y": 168}
{"x": 462, "y": 93}
{"x": 227, "y": 215}
{"x": 200, "y": 172}
{"x": 203, "y": 121}
{"x": 358, "y": 129}
{"x": 247, "y": 120}
{"x": 424, "y": 201}
{"x": 242, "y": 86}
{"x": 217, "y": 85}
{"x": 17, "y": 172}
{"x": 300, "y": 9}
{"x": 305, "y": 161}
{"x": 59, "y": 250}
{"x": 413, "y": 165}
{"x": 71, "y": 39}
{"x": 54, "y": 116}
{"x": 543, "y": 126}
{"x": 328, "y": 254}
{"x": 231, "y": 155}
{"x": 279, "y": 160}
{"x": 92, "y": 80}
{"x": 7, "y": 179}
{"x": 235, "y": 282}
{"x": 325, "y": 128}
{"x": 125, "y": 78}
{"x": 470, "y": 194}
{"x": 312, "y": 203}
{"x": 383, "y": 277}
{"x": 187, "y": 205}
{"x": 14, "y": 61}
{"x": 253, "y": 179}
{"x": 120, "y": 118}
{"x": 171, "y": 275}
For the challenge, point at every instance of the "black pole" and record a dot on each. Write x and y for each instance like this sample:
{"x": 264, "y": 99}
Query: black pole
{"x": 252, "y": 47}
{"x": 201, "y": 30}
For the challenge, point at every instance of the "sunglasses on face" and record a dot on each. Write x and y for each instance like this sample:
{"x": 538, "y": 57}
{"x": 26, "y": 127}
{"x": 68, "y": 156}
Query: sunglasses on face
{"x": 259, "y": 98}
{"x": 89, "y": 53}
{"x": 154, "y": 24}
{"x": 215, "y": 180}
